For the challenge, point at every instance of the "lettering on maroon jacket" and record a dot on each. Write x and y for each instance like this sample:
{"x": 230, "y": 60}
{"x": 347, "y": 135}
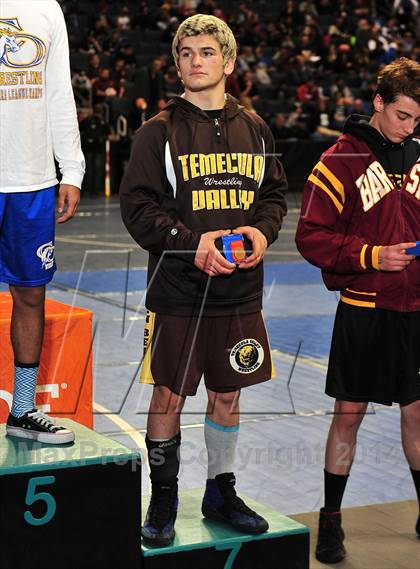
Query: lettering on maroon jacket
{"x": 374, "y": 184}
{"x": 413, "y": 183}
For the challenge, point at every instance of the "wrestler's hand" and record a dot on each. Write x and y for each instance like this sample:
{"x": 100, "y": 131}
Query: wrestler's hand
{"x": 68, "y": 198}
{"x": 393, "y": 257}
{"x": 209, "y": 259}
{"x": 259, "y": 246}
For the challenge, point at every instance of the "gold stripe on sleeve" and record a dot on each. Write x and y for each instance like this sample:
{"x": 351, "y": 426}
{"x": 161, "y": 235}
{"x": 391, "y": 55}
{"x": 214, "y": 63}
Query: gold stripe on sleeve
{"x": 337, "y": 185}
{"x": 317, "y": 182}
{"x": 362, "y": 256}
{"x": 375, "y": 257}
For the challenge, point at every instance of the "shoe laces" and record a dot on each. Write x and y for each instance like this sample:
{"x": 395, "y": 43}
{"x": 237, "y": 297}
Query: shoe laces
{"x": 229, "y": 494}
{"x": 42, "y": 419}
{"x": 163, "y": 503}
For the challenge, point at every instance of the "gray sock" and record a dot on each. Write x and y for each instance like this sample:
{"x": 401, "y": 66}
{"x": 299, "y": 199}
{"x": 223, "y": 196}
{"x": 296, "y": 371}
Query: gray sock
{"x": 221, "y": 445}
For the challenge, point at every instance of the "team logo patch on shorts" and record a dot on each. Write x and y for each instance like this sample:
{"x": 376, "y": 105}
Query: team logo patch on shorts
{"x": 246, "y": 356}
{"x": 46, "y": 254}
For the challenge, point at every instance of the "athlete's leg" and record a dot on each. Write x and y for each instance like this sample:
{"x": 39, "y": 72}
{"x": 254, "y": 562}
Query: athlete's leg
{"x": 342, "y": 436}
{"x": 220, "y": 501}
{"x": 28, "y": 259}
{"x": 223, "y": 408}
{"x": 163, "y": 442}
{"x": 164, "y": 416}
{"x": 27, "y": 325}
{"x": 339, "y": 455}
{"x": 221, "y": 431}
{"x": 26, "y": 331}
{"x": 410, "y": 435}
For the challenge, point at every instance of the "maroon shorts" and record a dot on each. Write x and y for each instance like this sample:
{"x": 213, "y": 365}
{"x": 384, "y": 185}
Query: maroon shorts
{"x": 231, "y": 351}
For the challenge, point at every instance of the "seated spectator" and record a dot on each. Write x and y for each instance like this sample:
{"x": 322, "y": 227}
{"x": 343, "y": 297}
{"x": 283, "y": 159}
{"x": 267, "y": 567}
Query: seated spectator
{"x": 163, "y": 16}
{"x": 143, "y": 18}
{"x": 262, "y": 57}
{"x": 94, "y": 66}
{"x": 82, "y": 89}
{"x": 245, "y": 60}
{"x": 308, "y": 92}
{"x": 280, "y": 129}
{"x": 94, "y": 131}
{"x": 172, "y": 85}
{"x": 249, "y": 90}
{"x": 262, "y": 76}
{"x": 112, "y": 44}
{"x": 127, "y": 53}
{"x": 90, "y": 44}
{"x": 360, "y": 107}
{"x": 169, "y": 32}
{"x": 124, "y": 19}
{"x": 150, "y": 88}
{"x": 303, "y": 120}
{"x": 233, "y": 86}
{"x": 101, "y": 30}
{"x": 118, "y": 73}
{"x": 104, "y": 86}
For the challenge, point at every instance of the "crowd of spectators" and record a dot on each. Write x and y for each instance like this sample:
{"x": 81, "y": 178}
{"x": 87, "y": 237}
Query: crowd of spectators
{"x": 303, "y": 65}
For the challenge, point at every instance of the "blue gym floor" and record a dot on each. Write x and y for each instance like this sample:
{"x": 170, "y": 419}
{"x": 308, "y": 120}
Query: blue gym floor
{"x": 284, "y": 422}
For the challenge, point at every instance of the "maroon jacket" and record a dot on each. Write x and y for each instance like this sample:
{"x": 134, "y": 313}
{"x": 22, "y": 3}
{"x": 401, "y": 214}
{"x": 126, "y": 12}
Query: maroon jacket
{"x": 351, "y": 207}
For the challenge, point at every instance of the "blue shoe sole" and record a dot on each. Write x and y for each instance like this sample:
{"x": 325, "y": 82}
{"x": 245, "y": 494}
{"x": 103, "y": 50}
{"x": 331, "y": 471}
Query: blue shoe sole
{"x": 157, "y": 541}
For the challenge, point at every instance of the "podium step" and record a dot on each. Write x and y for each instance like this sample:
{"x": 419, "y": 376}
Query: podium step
{"x": 74, "y": 506}
{"x": 204, "y": 544}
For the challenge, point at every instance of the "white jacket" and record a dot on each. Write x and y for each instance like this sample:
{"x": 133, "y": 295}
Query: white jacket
{"x": 37, "y": 110}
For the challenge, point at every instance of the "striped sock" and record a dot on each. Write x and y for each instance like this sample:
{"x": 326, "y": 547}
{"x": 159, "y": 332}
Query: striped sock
{"x": 24, "y": 388}
{"x": 221, "y": 445}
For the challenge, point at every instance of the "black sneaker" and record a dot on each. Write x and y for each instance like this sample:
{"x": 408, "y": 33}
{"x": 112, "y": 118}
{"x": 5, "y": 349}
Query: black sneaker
{"x": 158, "y": 529}
{"x": 330, "y": 548}
{"x": 220, "y": 503}
{"x": 39, "y": 427}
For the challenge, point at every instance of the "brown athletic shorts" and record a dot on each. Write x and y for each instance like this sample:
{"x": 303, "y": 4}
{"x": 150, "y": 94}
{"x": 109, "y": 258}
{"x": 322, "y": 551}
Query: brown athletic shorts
{"x": 231, "y": 351}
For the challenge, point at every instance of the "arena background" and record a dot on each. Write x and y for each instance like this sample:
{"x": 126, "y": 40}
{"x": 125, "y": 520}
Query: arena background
{"x": 304, "y": 66}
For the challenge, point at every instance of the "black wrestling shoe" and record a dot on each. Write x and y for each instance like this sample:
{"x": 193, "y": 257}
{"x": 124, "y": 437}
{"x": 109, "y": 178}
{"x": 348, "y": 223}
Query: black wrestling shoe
{"x": 330, "y": 547}
{"x": 220, "y": 503}
{"x": 39, "y": 427}
{"x": 159, "y": 526}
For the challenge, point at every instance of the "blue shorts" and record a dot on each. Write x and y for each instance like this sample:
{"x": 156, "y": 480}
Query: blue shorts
{"x": 27, "y": 231}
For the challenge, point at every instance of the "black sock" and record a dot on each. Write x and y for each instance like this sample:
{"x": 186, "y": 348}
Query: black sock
{"x": 334, "y": 486}
{"x": 164, "y": 460}
{"x": 416, "y": 478}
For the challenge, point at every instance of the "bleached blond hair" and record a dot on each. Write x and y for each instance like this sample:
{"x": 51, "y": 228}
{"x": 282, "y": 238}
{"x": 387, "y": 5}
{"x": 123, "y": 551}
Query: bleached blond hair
{"x": 202, "y": 24}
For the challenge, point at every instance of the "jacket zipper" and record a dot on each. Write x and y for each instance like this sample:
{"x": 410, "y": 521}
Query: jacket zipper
{"x": 218, "y": 131}
{"x": 406, "y": 294}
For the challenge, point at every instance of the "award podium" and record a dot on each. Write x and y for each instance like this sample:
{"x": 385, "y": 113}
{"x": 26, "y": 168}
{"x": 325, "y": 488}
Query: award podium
{"x": 205, "y": 544}
{"x": 74, "y": 506}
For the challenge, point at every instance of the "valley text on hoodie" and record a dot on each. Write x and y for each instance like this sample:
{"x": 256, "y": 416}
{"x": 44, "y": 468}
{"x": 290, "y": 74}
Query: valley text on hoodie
{"x": 37, "y": 111}
{"x": 189, "y": 174}
{"x": 364, "y": 193}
